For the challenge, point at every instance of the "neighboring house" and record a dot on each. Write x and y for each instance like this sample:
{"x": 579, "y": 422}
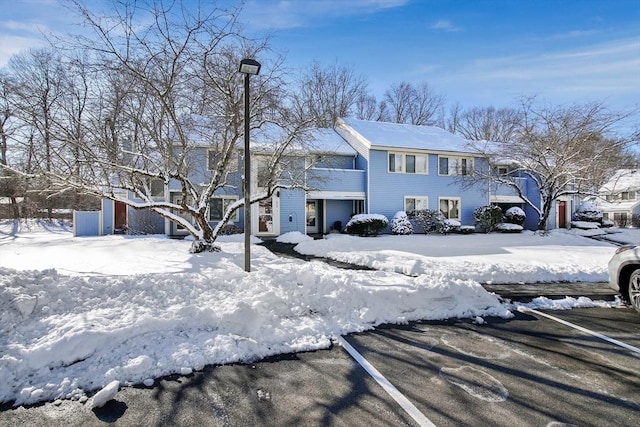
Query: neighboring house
{"x": 357, "y": 167}
{"x": 619, "y": 198}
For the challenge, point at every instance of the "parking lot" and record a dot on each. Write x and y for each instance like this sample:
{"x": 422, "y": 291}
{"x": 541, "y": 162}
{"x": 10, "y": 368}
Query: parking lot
{"x": 528, "y": 371}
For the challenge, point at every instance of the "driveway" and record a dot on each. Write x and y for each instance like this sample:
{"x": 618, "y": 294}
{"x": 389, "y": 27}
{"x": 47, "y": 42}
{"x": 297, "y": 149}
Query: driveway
{"x": 526, "y": 371}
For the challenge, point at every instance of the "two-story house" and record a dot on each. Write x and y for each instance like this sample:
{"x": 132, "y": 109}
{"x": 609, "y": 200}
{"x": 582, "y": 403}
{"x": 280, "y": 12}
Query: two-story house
{"x": 619, "y": 197}
{"x": 357, "y": 167}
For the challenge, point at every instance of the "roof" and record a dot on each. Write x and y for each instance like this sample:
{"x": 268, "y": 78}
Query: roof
{"x": 622, "y": 180}
{"x": 405, "y": 136}
{"x": 318, "y": 140}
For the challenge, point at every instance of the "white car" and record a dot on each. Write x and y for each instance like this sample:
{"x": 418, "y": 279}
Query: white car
{"x": 624, "y": 274}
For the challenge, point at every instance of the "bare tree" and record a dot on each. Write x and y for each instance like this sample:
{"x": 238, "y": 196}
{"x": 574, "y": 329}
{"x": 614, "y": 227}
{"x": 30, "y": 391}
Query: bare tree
{"x": 165, "y": 94}
{"x": 487, "y": 123}
{"x": 562, "y": 149}
{"x": 368, "y": 108}
{"x": 416, "y": 105}
{"x": 327, "y": 93}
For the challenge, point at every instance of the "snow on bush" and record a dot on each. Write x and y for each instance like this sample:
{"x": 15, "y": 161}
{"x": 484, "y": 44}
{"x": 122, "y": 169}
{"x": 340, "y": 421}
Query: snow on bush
{"x": 507, "y": 227}
{"x": 367, "y": 224}
{"x": 428, "y": 220}
{"x": 400, "y": 224}
{"x": 588, "y": 212}
{"x": 293, "y": 237}
{"x": 515, "y": 215}
{"x": 487, "y": 217}
{"x": 585, "y": 225}
{"x": 450, "y": 226}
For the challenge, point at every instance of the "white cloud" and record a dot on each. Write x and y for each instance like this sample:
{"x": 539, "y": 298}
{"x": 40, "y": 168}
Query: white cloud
{"x": 281, "y": 14}
{"x": 444, "y": 25}
{"x": 12, "y": 45}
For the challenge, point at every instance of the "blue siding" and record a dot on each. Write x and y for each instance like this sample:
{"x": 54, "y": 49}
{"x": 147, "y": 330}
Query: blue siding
{"x": 86, "y": 223}
{"x": 336, "y": 180}
{"x": 334, "y": 162}
{"x": 292, "y": 204}
{"x": 144, "y": 221}
{"x": 338, "y": 210}
{"x": 388, "y": 190}
{"x": 108, "y": 208}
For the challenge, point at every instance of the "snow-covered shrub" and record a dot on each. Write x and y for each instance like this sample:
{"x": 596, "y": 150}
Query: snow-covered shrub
{"x": 467, "y": 229}
{"x": 449, "y": 226}
{"x": 400, "y": 224}
{"x": 588, "y": 212}
{"x": 508, "y": 227}
{"x": 607, "y": 223}
{"x": 487, "y": 217}
{"x": 367, "y": 224}
{"x": 428, "y": 220}
{"x": 515, "y": 215}
{"x": 585, "y": 225}
{"x": 229, "y": 229}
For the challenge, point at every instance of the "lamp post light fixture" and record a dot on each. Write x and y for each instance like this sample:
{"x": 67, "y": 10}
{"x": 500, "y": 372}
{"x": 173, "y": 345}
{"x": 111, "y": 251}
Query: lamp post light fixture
{"x": 247, "y": 67}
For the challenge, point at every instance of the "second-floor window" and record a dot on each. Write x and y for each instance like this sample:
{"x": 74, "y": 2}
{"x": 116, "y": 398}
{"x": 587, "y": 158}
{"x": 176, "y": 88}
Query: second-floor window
{"x": 219, "y": 205}
{"x": 215, "y": 157}
{"x": 408, "y": 163}
{"x": 454, "y": 166}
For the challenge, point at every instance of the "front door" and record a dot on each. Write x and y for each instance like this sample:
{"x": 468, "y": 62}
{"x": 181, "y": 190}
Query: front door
{"x": 562, "y": 214}
{"x": 120, "y": 217}
{"x": 312, "y": 216}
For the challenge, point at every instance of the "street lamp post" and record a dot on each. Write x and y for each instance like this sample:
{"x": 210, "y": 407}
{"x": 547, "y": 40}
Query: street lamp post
{"x": 247, "y": 67}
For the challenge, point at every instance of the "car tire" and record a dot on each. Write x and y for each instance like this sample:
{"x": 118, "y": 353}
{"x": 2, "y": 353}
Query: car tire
{"x": 633, "y": 290}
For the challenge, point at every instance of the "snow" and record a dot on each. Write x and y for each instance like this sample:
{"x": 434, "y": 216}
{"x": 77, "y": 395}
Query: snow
{"x": 80, "y": 314}
{"x": 405, "y": 136}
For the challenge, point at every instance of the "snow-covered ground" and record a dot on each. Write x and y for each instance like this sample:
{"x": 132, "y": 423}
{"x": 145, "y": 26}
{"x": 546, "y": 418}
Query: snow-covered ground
{"x": 81, "y": 314}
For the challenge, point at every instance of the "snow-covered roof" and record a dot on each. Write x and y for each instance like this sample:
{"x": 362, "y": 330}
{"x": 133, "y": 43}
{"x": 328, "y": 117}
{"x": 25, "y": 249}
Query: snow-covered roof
{"x": 317, "y": 140}
{"x": 405, "y": 136}
{"x": 622, "y": 180}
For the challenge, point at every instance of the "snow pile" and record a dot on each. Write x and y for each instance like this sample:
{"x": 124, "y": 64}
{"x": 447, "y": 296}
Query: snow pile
{"x": 80, "y": 314}
{"x": 487, "y": 258}
{"x": 64, "y": 335}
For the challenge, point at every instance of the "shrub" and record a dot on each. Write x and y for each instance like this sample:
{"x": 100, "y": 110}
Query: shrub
{"x": 487, "y": 217}
{"x": 400, "y": 224}
{"x": 429, "y": 220}
{"x": 367, "y": 224}
{"x": 467, "y": 229}
{"x": 449, "y": 226}
{"x": 229, "y": 229}
{"x": 589, "y": 212}
{"x": 515, "y": 215}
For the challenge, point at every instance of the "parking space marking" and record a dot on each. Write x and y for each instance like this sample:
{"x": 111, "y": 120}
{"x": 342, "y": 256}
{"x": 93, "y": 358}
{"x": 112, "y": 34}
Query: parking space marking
{"x": 523, "y": 309}
{"x": 414, "y": 412}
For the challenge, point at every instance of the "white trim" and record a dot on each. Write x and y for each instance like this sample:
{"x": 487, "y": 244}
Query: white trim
{"x": 336, "y": 195}
{"x": 497, "y": 198}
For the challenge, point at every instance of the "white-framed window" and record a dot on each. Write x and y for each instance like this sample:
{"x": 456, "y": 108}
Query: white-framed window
{"x": 214, "y": 157}
{"x": 450, "y": 207}
{"x": 416, "y": 203}
{"x": 358, "y": 207}
{"x": 502, "y": 170}
{"x": 218, "y": 205}
{"x": 453, "y": 166}
{"x": 408, "y": 163}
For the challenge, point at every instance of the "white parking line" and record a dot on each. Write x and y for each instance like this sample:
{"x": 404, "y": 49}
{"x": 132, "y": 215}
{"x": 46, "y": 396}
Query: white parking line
{"x": 418, "y": 416}
{"x": 580, "y": 328}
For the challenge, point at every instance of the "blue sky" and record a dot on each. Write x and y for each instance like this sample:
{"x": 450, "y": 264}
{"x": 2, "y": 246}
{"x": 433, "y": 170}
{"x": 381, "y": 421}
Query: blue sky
{"x": 475, "y": 52}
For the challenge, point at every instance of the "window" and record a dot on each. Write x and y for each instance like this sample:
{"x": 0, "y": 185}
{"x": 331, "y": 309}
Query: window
{"x": 157, "y": 187}
{"x": 358, "y": 207}
{"x": 219, "y": 205}
{"x": 502, "y": 170}
{"x": 408, "y": 163}
{"x": 416, "y": 203}
{"x": 455, "y": 166}
{"x": 215, "y": 157}
{"x": 450, "y": 207}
